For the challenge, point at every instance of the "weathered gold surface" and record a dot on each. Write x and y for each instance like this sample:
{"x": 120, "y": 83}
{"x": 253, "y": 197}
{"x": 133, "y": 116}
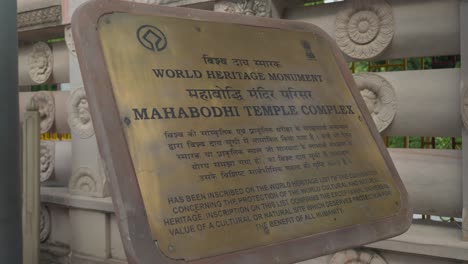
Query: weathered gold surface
{"x": 323, "y": 172}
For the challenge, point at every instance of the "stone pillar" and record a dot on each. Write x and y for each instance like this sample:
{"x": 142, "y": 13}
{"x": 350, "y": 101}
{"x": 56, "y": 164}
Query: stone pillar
{"x": 90, "y": 231}
{"x": 464, "y": 106}
{"x": 31, "y": 185}
{"x": 88, "y": 176}
{"x": 10, "y": 197}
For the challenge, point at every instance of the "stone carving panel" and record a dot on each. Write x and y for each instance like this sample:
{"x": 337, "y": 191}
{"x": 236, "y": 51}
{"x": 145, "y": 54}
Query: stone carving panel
{"x": 40, "y": 62}
{"x": 44, "y": 224}
{"x": 47, "y": 160}
{"x": 50, "y": 15}
{"x": 379, "y": 96}
{"x": 364, "y": 28}
{"x": 86, "y": 182}
{"x": 69, "y": 40}
{"x": 45, "y": 104}
{"x": 261, "y": 8}
{"x": 79, "y": 117}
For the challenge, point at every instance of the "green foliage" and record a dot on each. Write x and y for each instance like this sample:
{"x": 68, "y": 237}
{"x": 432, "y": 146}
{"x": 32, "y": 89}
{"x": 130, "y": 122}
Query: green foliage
{"x": 44, "y": 87}
{"x": 396, "y": 142}
{"x": 416, "y": 142}
{"x": 361, "y": 66}
{"x": 312, "y": 3}
{"x": 443, "y": 143}
{"x": 56, "y": 40}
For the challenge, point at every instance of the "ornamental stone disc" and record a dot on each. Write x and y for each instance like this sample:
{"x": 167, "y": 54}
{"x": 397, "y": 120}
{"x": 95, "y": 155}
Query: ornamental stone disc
{"x": 40, "y": 62}
{"x": 379, "y": 96}
{"x": 47, "y": 159}
{"x": 45, "y": 103}
{"x": 364, "y": 28}
{"x": 79, "y": 117}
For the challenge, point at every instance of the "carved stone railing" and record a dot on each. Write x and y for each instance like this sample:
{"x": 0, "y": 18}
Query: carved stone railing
{"x": 401, "y": 103}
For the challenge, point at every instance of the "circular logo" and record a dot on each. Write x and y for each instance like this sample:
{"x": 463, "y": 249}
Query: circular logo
{"x": 151, "y": 38}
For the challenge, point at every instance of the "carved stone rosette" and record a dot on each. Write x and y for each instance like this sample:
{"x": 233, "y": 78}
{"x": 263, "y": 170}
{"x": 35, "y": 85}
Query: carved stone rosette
{"x": 47, "y": 160}
{"x": 379, "y": 96}
{"x": 44, "y": 224}
{"x": 88, "y": 183}
{"x": 40, "y": 62}
{"x": 79, "y": 117}
{"x": 69, "y": 40}
{"x": 364, "y": 28}
{"x": 261, "y": 8}
{"x": 45, "y": 103}
{"x": 357, "y": 257}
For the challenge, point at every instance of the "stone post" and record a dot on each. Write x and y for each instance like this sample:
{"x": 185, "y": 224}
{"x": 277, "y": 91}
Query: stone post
{"x": 464, "y": 106}
{"x": 88, "y": 176}
{"x": 10, "y": 196}
{"x": 31, "y": 185}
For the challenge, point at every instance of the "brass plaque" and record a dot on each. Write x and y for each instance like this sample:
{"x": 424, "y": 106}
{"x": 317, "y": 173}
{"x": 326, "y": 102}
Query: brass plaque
{"x": 241, "y": 136}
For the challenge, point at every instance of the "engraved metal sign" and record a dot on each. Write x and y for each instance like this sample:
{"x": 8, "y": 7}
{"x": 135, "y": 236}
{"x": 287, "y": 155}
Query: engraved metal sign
{"x": 229, "y": 138}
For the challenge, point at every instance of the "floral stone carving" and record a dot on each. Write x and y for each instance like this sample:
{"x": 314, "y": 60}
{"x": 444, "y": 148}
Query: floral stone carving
{"x": 79, "y": 117}
{"x": 364, "y": 28}
{"x": 261, "y": 8}
{"x": 45, "y": 104}
{"x": 86, "y": 182}
{"x": 40, "y": 62}
{"x": 43, "y": 16}
{"x": 47, "y": 160}
{"x": 44, "y": 224}
{"x": 69, "y": 40}
{"x": 352, "y": 256}
{"x": 379, "y": 96}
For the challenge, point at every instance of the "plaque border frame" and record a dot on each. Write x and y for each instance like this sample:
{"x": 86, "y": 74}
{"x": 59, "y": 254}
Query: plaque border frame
{"x": 128, "y": 202}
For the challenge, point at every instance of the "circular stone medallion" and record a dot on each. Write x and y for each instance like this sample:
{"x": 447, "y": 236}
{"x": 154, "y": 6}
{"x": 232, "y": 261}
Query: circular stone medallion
{"x": 79, "y": 117}
{"x": 364, "y": 28}
{"x": 40, "y": 62}
{"x": 379, "y": 96}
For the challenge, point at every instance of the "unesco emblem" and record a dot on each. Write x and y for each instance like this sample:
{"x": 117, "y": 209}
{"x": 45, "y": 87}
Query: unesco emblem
{"x": 151, "y": 38}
